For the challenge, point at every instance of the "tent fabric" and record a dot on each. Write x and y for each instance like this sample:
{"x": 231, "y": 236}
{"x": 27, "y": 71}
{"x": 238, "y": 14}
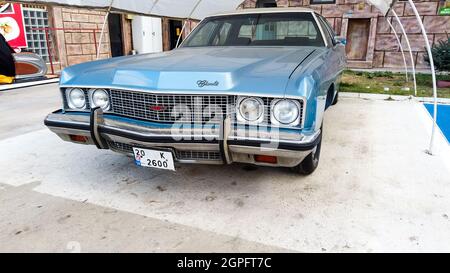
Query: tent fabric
{"x": 161, "y": 8}
{"x": 175, "y": 8}
{"x": 383, "y": 5}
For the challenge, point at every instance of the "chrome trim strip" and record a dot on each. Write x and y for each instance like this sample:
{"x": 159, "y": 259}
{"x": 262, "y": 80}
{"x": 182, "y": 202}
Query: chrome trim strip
{"x": 34, "y": 60}
{"x": 185, "y": 92}
{"x": 77, "y": 120}
{"x": 204, "y": 162}
{"x": 320, "y": 28}
{"x": 226, "y": 129}
{"x": 303, "y": 140}
{"x": 96, "y": 121}
{"x": 177, "y": 146}
{"x": 234, "y": 134}
{"x": 270, "y": 152}
{"x": 174, "y": 137}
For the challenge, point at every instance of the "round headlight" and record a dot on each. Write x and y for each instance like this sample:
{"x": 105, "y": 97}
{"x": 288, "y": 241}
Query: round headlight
{"x": 76, "y": 98}
{"x": 100, "y": 98}
{"x": 251, "y": 109}
{"x": 286, "y": 112}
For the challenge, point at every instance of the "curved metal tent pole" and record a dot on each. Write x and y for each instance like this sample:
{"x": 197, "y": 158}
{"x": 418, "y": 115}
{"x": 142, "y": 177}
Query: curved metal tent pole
{"x": 153, "y": 6}
{"x": 385, "y": 6}
{"x": 185, "y": 22}
{"x": 103, "y": 29}
{"x": 401, "y": 47}
{"x": 106, "y": 19}
{"x": 409, "y": 48}
{"x": 433, "y": 72}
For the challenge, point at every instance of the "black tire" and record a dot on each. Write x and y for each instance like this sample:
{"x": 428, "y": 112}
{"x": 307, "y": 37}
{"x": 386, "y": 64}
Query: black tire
{"x": 336, "y": 99}
{"x": 311, "y": 162}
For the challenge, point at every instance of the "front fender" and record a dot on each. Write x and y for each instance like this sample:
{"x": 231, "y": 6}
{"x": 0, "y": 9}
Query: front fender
{"x": 312, "y": 82}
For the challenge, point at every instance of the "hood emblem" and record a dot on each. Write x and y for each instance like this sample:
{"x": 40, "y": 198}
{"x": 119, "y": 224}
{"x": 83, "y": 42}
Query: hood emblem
{"x": 203, "y": 83}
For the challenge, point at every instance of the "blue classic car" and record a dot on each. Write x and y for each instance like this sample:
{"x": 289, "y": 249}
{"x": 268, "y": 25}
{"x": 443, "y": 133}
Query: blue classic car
{"x": 250, "y": 87}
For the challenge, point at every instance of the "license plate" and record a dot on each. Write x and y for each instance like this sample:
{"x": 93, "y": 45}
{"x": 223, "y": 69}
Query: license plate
{"x": 154, "y": 159}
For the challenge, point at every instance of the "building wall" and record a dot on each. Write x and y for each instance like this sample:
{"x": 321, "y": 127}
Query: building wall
{"x": 188, "y": 27}
{"x": 385, "y": 52}
{"x": 81, "y": 32}
{"x": 75, "y": 32}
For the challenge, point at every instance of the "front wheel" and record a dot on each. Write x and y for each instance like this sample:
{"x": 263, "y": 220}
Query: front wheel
{"x": 311, "y": 162}
{"x": 336, "y": 99}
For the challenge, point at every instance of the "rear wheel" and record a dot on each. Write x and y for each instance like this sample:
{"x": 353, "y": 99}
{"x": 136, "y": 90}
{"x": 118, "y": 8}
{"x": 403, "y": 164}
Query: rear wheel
{"x": 311, "y": 162}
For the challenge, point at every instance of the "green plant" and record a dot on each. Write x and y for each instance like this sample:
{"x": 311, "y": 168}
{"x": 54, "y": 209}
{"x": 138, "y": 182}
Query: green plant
{"x": 384, "y": 74}
{"x": 441, "y": 55}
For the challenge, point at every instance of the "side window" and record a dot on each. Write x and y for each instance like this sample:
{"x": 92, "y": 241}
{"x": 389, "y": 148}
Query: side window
{"x": 330, "y": 29}
{"x": 329, "y": 36}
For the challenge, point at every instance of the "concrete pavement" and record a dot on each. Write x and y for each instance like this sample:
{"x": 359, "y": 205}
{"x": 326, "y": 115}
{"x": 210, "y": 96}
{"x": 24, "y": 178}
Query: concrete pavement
{"x": 375, "y": 190}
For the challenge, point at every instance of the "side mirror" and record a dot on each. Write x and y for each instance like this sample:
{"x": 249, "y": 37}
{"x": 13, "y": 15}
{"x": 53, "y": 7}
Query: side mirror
{"x": 340, "y": 40}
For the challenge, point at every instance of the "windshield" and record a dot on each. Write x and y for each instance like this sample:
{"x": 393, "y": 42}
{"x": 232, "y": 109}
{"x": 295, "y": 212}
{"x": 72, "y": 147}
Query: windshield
{"x": 272, "y": 29}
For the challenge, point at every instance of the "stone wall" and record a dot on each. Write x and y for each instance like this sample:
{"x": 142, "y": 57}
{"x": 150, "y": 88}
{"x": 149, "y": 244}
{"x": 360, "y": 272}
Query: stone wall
{"x": 386, "y": 52}
{"x": 77, "y": 42}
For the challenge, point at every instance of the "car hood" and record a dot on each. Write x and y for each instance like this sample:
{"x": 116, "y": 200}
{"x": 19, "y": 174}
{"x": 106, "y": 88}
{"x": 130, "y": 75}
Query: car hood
{"x": 225, "y": 69}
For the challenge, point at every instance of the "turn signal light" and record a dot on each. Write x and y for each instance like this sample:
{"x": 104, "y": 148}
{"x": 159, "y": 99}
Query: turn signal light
{"x": 81, "y": 139}
{"x": 266, "y": 159}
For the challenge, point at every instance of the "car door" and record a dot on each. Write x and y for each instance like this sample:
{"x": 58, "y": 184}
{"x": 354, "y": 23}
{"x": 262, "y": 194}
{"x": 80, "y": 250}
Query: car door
{"x": 338, "y": 48}
{"x": 336, "y": 54}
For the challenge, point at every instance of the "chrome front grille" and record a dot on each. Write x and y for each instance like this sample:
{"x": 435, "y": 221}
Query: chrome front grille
{"x": 198, "y": 155}
{"x": 179, "y": 155}
{"x": 120, "y": 147}
{"x": 171, "y": 108}
{"x": 176, "y": 108}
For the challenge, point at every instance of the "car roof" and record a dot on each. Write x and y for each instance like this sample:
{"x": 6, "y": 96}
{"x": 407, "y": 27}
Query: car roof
{"x": 264, "y": 10}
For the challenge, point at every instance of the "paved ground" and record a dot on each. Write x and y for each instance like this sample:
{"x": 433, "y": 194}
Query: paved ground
{"x": 375, "y": 190}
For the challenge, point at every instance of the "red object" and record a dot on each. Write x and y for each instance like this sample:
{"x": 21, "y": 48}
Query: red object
{"x": 157, "y": 108}
{"x": 47, "y": 37}
{"x": 13, "y": 27}
{"x": 443, "y": 84}
{"x": 266, "y": 159}
{"x": 76, "y": 138}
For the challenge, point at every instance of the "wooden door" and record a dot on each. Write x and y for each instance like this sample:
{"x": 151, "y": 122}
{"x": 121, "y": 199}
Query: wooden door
{"x": 357, "y": 39}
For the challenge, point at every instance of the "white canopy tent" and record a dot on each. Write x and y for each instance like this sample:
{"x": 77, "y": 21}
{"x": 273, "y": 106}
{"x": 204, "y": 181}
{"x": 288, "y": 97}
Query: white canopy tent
{"x": 161, "y": 8}
{"x": 198, "y": 9}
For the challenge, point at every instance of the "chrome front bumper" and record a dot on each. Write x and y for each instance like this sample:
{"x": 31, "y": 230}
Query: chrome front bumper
{"x": 232, "y": 143}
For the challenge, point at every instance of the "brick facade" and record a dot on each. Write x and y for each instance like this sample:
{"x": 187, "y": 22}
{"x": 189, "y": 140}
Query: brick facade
{"x": 77, "y": 42}
{"x": 383, "y": 51}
